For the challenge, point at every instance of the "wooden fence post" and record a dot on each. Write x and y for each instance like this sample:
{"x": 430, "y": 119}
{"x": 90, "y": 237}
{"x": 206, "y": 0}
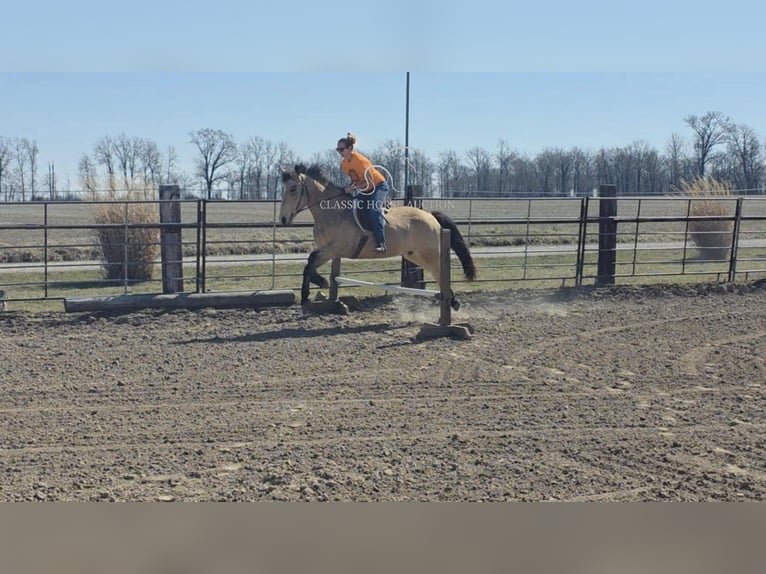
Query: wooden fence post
{"x": 171, "y": 246}
{"x": 607, "y": 235}
{"x": 735, "y": 240}
{"x": 445, "y": 279}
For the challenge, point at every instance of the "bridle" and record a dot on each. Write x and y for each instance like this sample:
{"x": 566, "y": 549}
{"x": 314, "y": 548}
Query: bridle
{"x": 305, "y": 191}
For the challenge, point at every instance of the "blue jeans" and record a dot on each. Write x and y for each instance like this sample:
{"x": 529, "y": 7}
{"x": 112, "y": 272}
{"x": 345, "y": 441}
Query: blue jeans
{"x": 372, "y": 204}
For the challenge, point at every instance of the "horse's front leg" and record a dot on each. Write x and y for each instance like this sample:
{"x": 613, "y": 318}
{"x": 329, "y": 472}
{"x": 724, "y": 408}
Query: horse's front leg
{"x": 317, "y": 279}
{"x": 316, "y": 259}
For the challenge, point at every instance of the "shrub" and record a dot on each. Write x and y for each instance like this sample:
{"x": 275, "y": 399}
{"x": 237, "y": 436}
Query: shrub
{"x": 134, "y": 249}
{"x": 707, "y": 199}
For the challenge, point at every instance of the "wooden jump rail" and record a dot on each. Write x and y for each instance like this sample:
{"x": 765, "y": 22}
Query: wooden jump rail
{"x": 444, "y": 328}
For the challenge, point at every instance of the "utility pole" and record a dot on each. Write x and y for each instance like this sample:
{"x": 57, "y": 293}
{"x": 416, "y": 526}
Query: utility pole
{"x": 407, "y": 138}
{"x": 412, "y": 275}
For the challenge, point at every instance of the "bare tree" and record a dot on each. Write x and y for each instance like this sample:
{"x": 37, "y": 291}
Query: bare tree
{"x": 127, "y": 151}
{"x": 524, "y": 178}
{"x": 503, "y": 157}
{"x": 67, "y": 184}
{"x": 168, "y": 170}
{"x": 452, "y": 174}
{"x": 21, "y": 157}
{"x": 480, "y": 162}
{"x": 562, "y": 170}
{"x": 636, "y": 172}
{"x": 655, "y": 176}
{"x": 257, "y": 175}
{"x": 605, "y": 173}
{"x": 216, "y": 151}
{"x": 675, "y": 156}
{"x": 231, "y": 181}
{"x": 710, "y": 130}
{"x": 545, "y": 169}
{"x": 88, "y": 175}
{"x": 391, "y": 156}
{"x": 104, "y": 155}
{"x": 186, "y": 182}
{"x": 284, "y": 156}
{"x": 582, "y": 172}
{"x": 329, "y": 161}
{"x": 240, "y": 171}
{"x": 5, "y": 162}
{"x": 150, "y": 159}
{"x": 31, "y": 150}
{"x": 270, "y": 154}
{"x": 749, "y": 156}
{"x": 50, "y": 181}
{"x": 421, "y": 172}
{"x": 623, "y": 167}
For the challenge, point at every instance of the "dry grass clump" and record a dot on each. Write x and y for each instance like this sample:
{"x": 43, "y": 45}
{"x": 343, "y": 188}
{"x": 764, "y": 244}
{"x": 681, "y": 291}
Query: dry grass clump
{"x": 126, "y": 248}
{"x": 708, "y": 199}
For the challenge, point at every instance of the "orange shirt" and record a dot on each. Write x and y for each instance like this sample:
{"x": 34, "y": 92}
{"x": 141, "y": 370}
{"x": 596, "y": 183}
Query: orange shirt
{"x": 355, "y": 168}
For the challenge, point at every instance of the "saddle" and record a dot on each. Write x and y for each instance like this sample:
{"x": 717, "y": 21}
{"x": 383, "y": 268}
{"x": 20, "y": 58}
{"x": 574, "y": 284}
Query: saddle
{"x": 362, "y": 215}
{"x": 362, "y": 220}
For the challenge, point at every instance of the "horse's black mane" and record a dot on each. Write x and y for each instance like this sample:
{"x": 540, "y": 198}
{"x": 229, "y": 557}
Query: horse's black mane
{"x": 315, "y": 171}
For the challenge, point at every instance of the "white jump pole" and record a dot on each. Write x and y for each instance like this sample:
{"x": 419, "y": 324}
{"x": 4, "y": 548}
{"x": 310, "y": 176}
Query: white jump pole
{"x": 445, "y": 327}
{"x": 388, "y": 287}
{"x": 444, "y": 287}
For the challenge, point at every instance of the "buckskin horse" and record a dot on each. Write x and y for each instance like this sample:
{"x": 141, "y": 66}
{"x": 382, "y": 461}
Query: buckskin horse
{"x": 411, "y": 232}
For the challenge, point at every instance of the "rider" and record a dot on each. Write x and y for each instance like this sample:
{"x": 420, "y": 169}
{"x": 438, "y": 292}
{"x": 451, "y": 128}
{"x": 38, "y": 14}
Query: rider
{"x": 369, "y": 182}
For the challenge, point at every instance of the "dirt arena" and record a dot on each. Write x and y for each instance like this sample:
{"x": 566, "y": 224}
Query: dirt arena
{"x": 629, "y": 394}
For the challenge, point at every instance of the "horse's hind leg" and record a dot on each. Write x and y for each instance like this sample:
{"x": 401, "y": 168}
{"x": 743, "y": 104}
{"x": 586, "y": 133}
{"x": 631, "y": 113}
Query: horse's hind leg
{"x": 453, "y": 301}
{"x": 431, "y": 262}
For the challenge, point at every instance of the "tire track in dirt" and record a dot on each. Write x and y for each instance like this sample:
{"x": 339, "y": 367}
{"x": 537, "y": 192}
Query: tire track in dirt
{"x": 691, "y": 360}
{"x": 654, "y": 324}
{"x": 126, "y": 406}
{"x": 533, "y": 407}
{"x": 463, "y": 433}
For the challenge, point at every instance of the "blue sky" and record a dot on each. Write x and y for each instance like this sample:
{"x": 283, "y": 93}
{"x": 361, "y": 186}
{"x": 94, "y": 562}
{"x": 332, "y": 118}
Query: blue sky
{"x": 595, "y": 73}
{"x": 67, "y": 113}
{"x": 367, "y": 35}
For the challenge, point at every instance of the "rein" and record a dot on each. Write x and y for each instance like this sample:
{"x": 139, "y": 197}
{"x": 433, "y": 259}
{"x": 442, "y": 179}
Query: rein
{"x": 304, "y": 190}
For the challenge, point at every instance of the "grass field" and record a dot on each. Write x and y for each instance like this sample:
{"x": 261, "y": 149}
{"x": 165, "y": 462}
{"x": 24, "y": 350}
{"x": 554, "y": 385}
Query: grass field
{"x": 525, "y": 222}
{"x": 530, "y": 270}
{"x": 484, "y": 222}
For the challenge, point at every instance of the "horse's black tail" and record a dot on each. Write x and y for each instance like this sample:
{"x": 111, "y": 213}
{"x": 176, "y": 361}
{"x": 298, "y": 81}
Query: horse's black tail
{"x": 458, "y": 244}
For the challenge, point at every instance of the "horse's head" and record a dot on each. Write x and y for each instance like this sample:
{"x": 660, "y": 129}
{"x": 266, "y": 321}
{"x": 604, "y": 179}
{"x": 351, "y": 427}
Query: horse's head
{"x": 302, "y": 189}
{"x": 295, "y": 195}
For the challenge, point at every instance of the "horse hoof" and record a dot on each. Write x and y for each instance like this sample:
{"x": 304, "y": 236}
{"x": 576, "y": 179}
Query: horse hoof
{"x": 455, "y": 304}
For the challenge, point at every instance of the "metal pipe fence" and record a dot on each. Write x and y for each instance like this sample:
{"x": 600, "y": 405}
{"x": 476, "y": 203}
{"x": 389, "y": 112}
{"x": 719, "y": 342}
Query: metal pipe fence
{"x": 55, "y": 250}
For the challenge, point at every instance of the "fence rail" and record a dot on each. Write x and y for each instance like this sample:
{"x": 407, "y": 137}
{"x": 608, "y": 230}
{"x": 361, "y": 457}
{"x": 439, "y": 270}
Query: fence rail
{"x": 49, "y": 250}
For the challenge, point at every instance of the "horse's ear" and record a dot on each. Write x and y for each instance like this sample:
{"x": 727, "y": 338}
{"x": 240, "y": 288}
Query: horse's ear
{"x": 300, "y": 168}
